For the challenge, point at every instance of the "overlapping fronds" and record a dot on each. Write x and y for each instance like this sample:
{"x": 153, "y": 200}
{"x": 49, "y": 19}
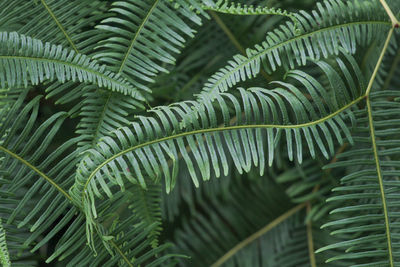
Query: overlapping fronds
{"x": 236, "y": 216}
{"x": 335, "y": 24}
{"x": 28, "y": 160}
{"x": 369, "y": 191}
{"x": 143, "y": 36}
{"x": 35, "y": 179}
{"x": 25, "y": 60}
{"x": 88, "y": 191}
{"x": 146, "y": 205}
{"x": 67, "y": 23}
{"x": 251, "y": 126}
{"x": 102, "y": 112}
{"x": 126, "y": 236}
{"x": 137, "y": 37}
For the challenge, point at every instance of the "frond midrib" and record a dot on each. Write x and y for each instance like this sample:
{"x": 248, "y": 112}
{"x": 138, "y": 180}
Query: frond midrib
{"x": 219, "y": 129}
{"x": 60, "y": 26}
{"x": 29, "y": 165}
{"x": 380, "y": 180}
{"x": 258, "y": 234}
{"x": 137, "y": 35}
{"x": 101, "y": 119}
{"x": 294, "y": 39}
{"x": 97, "y": 73}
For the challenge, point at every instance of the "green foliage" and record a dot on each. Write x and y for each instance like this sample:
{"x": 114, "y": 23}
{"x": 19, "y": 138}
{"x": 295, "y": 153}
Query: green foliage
{"x": 132, "y": 133}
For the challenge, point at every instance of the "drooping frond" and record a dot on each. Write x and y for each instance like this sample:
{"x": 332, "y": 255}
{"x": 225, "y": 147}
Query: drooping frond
{"x": 335, "y": 24}
{"x": 25, "y": 60}
{"x": 251, "y": 123}
{"x": 367, "y": 195}
{"x": 126, "y": 51}
{"x": 36, "y": 178}
{"x": 143, "y": 36}
{"x": 126, "y": 237}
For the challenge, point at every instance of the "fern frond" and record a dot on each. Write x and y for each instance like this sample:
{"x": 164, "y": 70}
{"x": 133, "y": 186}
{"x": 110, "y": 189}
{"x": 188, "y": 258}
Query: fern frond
{"x": 322, "y": 34}
{"x": 143, "y": 36}
{"x": 25, "y": 60}
{"x": 102, "y": 112}
{"x": 258, "y": 113}
{"x": 146, "y": 205}
{"x": 236, "y": 216}
{"x": 67, "y": 23}
{"x": 368, "y": 192}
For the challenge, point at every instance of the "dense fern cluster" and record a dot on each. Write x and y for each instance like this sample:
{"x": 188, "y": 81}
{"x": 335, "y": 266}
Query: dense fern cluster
{"x": 199, "y": 133}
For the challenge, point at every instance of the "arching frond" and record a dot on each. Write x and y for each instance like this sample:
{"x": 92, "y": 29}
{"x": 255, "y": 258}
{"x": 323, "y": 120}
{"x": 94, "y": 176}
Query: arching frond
{"x": 103, "y": 111}
{"x": 26, "y": 60}
{"x": 130, "y": 151}
{"x": 322, "y": 33}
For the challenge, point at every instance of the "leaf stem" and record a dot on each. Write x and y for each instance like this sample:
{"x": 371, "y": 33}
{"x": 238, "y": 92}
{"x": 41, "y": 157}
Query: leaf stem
{"x": 310, "y": 241}
{"x": 258, "y": 234}
{"x": 60, "y": 26}
{"x": 121, "y": 253}
{"x": 48, "y": 179}
{"x": 380, "y": 179}
{"x": 373, "y": 139}
{"x": 378, "y": 64}
{"x": 218, "y": 129}
{"x": 395, "y": 22}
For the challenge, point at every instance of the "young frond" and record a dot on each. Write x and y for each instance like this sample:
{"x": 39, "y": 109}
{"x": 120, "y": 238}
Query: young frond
{"x": 367, "y": 194}
{"x": 224, "y": 6}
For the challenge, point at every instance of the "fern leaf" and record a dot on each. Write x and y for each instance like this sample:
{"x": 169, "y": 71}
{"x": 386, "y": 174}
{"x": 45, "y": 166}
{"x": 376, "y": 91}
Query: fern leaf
{"x": 25, "y": 60}
{"x": 224, "y": 6}
{"x": 146, "y": 206}
{"x": 319, "y": 30}
{"x": 258, "y": 112}
{"x": 142, "y": 36}
{"x": 66, "y": 23}
{"x": 368, "y": 192}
